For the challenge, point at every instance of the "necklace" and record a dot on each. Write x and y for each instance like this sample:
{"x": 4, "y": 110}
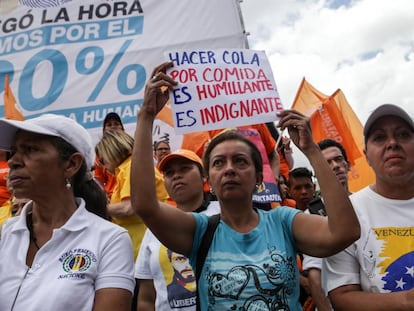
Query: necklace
{"x": 31, "y": 231}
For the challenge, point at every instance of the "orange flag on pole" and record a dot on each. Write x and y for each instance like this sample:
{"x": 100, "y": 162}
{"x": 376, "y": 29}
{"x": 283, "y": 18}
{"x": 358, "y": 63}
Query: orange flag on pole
{"x": 10, "y": 110}
{"x": 361, "y": 173}
{"x": 332, "y": 117}
{"x": 328, "y": 122}
{"x": 308, "y": 99}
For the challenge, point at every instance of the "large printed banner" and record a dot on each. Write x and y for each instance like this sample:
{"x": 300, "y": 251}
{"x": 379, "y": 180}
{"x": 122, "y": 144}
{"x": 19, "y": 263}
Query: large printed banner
{"x": 221, "y": 88}
{"x": 89, "y": 57}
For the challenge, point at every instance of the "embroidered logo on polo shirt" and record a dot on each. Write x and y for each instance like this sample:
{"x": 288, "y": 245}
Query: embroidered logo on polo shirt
{"x": 75, "y": 262}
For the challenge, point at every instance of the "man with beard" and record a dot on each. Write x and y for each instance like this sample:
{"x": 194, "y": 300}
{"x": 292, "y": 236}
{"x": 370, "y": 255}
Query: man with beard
{"x": 183, "y": 284}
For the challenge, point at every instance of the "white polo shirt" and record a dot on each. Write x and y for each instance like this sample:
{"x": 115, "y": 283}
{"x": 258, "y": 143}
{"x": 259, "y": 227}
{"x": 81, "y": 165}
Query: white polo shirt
{"x": 86, "y": 254}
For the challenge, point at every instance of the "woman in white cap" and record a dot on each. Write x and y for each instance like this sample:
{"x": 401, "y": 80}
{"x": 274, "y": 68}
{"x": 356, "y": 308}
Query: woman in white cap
{"x": 377, "y": 271}
{"x": 251, "y": 262}
{"x": 60, "y": 253}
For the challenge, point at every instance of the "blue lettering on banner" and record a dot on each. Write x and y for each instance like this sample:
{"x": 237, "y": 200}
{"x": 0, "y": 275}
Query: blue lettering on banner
{"x": 93, "y": 116}
{"x": 71, "y": 33}
{"x": 60, "y": 71}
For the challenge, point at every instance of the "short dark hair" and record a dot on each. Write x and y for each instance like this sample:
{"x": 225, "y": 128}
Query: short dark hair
{"x": 326, "y": 143}
{"x": 299, "y": 172}
{"x": 233, "y": 135}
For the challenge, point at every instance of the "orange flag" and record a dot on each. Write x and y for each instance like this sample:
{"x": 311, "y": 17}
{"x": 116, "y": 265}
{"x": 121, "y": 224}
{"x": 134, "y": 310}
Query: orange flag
{"x": 328, "y": 122}
{"x": 307, "y": 99}
{"x": 332, "y": 117}
{"x": 165, "y": 115}
{"x": 10, "y": 110}
{"x": 195, "y": 142}
{"x": 361, "y": 173}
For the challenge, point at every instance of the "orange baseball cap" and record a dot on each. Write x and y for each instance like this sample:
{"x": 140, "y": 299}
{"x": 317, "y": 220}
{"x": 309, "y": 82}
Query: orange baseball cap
{"x": 180, "y": 153}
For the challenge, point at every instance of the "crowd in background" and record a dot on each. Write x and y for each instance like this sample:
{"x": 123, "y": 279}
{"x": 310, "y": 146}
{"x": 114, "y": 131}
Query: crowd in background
{"x": 64, "y": 199}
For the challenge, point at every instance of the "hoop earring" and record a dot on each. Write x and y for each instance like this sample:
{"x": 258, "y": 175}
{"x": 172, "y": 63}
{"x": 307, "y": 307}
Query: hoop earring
{"x": 68, "y": 184}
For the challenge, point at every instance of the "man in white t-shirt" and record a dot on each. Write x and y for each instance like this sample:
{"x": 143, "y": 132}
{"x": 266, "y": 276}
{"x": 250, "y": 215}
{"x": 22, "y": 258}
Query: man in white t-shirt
{"x": 377, "y": 271}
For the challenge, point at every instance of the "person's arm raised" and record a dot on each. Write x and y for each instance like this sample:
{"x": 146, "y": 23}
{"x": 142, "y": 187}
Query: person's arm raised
{"x": 315, "y": 235}
{"x": 170, "y": 225}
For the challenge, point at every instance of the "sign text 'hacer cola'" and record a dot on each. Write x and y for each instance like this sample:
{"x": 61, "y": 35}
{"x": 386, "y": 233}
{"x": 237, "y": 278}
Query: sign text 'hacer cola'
{"x": 222, "y": 88}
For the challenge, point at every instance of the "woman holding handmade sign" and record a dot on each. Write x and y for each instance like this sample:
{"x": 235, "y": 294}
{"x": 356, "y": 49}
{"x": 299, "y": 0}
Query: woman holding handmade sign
{"x": 251, "y": 261}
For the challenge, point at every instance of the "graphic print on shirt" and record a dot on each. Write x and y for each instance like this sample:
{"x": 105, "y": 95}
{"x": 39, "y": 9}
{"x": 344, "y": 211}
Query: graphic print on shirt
{"x": 396, "y": 263}
{"x": 76, "y": 262}
{"x": 179, "y": 279}
{"x": 266, "y": 285}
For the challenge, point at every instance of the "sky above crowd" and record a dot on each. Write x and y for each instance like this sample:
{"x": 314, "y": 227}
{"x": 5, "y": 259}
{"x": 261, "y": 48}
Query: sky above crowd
{"x": 364, "y": 47}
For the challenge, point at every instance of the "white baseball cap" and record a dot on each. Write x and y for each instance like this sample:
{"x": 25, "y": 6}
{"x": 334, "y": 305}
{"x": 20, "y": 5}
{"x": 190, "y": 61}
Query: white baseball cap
{"x": 54, "y": 125}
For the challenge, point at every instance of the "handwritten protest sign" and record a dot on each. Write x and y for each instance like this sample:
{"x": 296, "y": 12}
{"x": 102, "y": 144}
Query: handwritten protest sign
{"x": 221, "y": 88}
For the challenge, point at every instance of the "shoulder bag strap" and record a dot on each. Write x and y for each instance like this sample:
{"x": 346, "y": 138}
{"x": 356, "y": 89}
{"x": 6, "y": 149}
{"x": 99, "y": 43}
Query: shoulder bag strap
{"x": 213, "y": 222}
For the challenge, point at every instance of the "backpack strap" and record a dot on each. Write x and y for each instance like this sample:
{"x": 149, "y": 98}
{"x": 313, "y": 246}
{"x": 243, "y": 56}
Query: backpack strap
{"x": 212, "y": 224}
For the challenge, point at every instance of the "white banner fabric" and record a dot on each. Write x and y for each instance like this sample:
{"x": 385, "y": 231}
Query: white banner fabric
{"x": 86, "y": 58}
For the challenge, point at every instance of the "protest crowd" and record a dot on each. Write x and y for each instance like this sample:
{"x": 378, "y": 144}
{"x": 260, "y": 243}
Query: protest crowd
{"x": 229, "y": 222}
{"x": 142, "y": 211}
